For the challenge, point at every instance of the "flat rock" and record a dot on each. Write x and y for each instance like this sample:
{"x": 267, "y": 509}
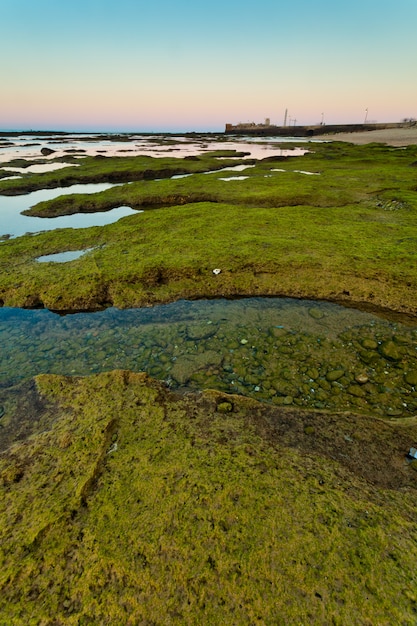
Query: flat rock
{"x": 186, "y": 365}
{"x": 389, "y": 350}
{"x": 201, "y": 331}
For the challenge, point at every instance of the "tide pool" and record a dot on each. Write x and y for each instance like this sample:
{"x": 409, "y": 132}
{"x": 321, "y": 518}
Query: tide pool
{"x": 14, "y": 224}
{"x": 288, "y": 352}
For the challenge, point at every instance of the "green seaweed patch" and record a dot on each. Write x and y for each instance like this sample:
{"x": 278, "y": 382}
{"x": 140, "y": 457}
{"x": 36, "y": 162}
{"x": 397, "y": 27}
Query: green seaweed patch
{"x": 275, "y": 233}
{"x": 135, "y": 505}
{"x": 99, "y": 169}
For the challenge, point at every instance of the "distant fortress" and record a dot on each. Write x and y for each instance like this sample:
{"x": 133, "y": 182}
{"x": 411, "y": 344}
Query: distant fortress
{"x": 269, "y": 130}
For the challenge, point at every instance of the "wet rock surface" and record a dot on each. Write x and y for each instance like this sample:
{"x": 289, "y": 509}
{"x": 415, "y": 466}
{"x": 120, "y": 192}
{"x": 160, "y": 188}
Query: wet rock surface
{"x": 139, "y": 479}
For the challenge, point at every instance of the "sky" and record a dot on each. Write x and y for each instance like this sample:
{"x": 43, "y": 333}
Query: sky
{"x": 193, "y": 65}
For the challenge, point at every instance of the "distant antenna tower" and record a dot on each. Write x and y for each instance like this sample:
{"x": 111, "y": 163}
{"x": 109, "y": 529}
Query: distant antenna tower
{"x": 285, "y": 117}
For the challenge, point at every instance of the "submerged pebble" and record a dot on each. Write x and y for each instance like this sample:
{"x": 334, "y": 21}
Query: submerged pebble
{"x": 266, "y": 348}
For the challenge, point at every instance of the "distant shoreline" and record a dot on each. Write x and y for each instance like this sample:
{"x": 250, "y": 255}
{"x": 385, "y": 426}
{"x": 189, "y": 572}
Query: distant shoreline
{"x": 397, "y": 137}
{"x": 394, "y": 136}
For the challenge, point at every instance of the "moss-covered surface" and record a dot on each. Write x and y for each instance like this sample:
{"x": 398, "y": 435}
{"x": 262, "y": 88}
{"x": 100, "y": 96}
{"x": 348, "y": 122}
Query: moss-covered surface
{"x": 347, "y": 234}
{"x": 123, "y": 503}
{"x": 100, "y": 169}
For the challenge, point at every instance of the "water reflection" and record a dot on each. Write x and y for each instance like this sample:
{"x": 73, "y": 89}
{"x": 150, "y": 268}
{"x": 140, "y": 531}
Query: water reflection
{"x": 39, "y": 168}
{"x": 14, "y": 224}
{"x": 155, "y": 146}
{"x": 63, "y": 257}
{"x": 282, "y": 351}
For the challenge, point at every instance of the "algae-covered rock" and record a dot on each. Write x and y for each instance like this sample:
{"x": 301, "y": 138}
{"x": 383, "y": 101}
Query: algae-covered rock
{"x": 313, "y": 373}
{"x": 197, "y": 494}
{"x": 333, "y": 375}
{"x": 277, "y": 332}
{"x": 188, "y": 364}
{"x": 202, "y": 330}
{"x": 389, "y": 350}
{"x": 369, "y": 344}
{"x": 356, "y": 390}
{"x": 315, "y": 313}
{"x": 410, "y": 378}
{"x": 369, "y": 357}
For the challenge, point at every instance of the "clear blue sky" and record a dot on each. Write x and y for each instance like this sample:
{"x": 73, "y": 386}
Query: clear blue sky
{"x": 157, "y": 65}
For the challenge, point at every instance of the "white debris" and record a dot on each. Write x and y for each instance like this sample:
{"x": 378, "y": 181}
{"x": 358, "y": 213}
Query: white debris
{"x": 113, "y": 448}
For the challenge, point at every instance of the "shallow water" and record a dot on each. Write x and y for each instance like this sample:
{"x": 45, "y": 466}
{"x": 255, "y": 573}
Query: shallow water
{"x": 28, "y": 147}
{"x": 39, "y": 168}
{"x": 234, "y": 178}
{"x": 14, "y": 224}
{"x": 282, "y": 351}
{"x": 63, "y": 257}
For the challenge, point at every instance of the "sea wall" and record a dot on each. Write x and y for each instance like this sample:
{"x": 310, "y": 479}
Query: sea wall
{"x": 307, "y": 131}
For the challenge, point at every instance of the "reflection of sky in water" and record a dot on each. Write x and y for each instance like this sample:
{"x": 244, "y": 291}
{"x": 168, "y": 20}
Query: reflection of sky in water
{"x": 29, "y": 147}
{"x": 40, "y": 168}
{"x": 63, "y": 257}
{"x": 156, "y": 146}
{"x": 235, "y": 178}
{"x": 14, "y": 224}
{"x": 275, "y": 350}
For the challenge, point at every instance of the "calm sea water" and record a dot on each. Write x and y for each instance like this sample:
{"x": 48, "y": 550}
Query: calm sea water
{"x": 13, "y": 223}
{"x": 282, "y": 351}
{"x": 29, "y": 147}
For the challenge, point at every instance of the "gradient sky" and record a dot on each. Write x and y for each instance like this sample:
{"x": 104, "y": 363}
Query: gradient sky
{"x": 178, "y": 65}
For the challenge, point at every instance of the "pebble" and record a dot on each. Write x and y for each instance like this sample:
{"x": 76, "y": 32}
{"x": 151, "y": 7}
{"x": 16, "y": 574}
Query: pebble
{"x": 315, "y": 313}
{"x": 411, "y": 378}
{"x": 370, "y": 344}
{"x": 334, "y": 375}
{"x": 389, "y": 351}
{"x": 356, "y": 391}
{"x": 361, "y": 379}
{"x": 283, "y": 363}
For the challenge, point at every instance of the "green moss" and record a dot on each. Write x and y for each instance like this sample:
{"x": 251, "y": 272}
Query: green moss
{"x": 124, "y": 503}
{"x": 115, "y": 170}
{"x": 326, "y": 236}
{"x": 201, "y": 516}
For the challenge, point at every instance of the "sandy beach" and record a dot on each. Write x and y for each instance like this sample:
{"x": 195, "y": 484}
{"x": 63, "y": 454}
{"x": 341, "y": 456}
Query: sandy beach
{"x": 390, "y": 136}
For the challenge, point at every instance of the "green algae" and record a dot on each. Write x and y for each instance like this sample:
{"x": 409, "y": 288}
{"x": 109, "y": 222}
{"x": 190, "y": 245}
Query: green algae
{"x": 125, "y": 503}
{"x": 330, "y": 236}
{"x": 116, "y": 170}
{"x": 128, "y": 504}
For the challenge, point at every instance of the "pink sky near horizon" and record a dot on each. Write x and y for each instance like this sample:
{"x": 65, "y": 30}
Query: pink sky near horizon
{"x": 129, "y": 65}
